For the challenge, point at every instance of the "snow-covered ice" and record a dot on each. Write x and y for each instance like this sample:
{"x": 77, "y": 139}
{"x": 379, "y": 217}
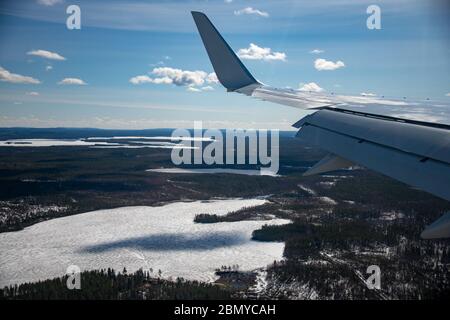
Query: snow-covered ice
{"x": 87, "y": 142}
{"x": 49, "y": 143}
{"x": 216, "y": 170}
{"x": 162, "y": 237}
{"x": 153, "y": 138}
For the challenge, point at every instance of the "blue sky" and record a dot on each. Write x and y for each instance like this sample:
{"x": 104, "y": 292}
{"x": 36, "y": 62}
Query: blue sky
{"x": 85, "y": 76}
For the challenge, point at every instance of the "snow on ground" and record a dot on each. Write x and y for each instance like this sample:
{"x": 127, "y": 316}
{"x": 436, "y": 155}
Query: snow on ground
{"x": 392, "y": 215}
{"x": 215, "y": 170}
{"x": 261, "y": 281}
{"x": 162, "y": 237}
{"x": 327, "y": 184}
{"x": 328, "y": 200}
{"x": 307, "y": 190}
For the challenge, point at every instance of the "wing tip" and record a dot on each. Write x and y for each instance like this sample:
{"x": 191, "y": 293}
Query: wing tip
{"x": 197, "y": 13}
{"x": 229, "y": 69}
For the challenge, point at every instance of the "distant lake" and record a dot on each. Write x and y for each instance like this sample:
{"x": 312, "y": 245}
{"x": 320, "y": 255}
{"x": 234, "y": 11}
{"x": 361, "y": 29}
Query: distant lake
{"x": 162, "y": 237}
{"x": 214, "y": 171}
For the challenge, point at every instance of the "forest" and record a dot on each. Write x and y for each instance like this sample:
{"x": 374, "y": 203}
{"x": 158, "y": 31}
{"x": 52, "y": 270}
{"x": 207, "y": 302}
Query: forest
{"x": 111, "y": 285}
{"x": 341, "y": 222}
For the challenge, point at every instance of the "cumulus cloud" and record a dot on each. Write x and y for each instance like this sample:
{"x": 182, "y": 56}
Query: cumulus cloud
{"x": 212, "y": 78}
{"x": 251, "y": 11}
{"x": 310, "y": 87}
{"x": 316, "y": 51}
{"x": 72, "y": 81}
{"x": 32, "y": 93}
{"x": 48, "y": 68}
{"x": 253, "y": 52}
{"x": 49, "y": 3}
{"x": 448, "y": 94}
{"x": 368, "y": 94}
{"x": 181, "y": 77}
{"x": 322, "y": 64}
{"x": 141, "y": 79}
{"x": 46, "y": 54}
{"x": 146, "y": 79}
{"x": 178, "y": 77}
{"x": 7, "y": 76}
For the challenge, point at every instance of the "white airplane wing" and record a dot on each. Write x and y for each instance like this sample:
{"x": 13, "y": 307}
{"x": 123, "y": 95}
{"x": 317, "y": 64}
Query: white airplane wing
{"x": 367, "y": 131}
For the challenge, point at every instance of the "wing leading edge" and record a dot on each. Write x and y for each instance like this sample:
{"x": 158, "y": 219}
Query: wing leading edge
{"x": 413, "y": 152}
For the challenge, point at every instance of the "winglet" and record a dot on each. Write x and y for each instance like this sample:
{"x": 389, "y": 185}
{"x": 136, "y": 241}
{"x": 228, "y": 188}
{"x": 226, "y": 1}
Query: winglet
{"x": 230, "y": 71}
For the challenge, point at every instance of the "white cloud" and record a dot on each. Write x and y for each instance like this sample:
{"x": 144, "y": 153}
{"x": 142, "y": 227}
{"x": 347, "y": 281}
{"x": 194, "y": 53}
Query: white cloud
{"x": 163, "y": 80}
{"x": 448, "y": 94}
{"x": 250, "y": 10}
{"x": 178, "y": 77}
{"x": 181, "y": 77}
{"x": 48, "y": 68}
{"x": 146, "y": 79}
{"x": 141, "y": 79}
{"x": 322, "y": 64}
{"x": 317, "y": 51}
{"x": 32, "y": 93}
{"x": 72, "y": 81}
{"x": 368, "y": 94}
{"x": 49, "y": 3}
{"x": 194, "y": 80}
{"x": 212, "y": 78}
{"x": 310, "y": 87}
{"x": 228, "y": 1}
{"x": 46, "y": 54}
{"x": 7, "y": 76}
{"x": 253, "y": 52}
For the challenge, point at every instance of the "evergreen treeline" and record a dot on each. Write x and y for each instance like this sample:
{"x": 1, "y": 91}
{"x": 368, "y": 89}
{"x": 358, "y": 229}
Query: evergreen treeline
{"x": 110, "y": 285}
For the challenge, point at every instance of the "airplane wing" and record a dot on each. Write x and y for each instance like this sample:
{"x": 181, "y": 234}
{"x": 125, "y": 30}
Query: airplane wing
{"x": 354, "y": 130}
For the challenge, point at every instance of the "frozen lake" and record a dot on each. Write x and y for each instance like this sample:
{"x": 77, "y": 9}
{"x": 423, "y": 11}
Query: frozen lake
{"x": 131, "y": 144}
{"x": 215, "y": 170}
{"x": 162, "y": 237}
